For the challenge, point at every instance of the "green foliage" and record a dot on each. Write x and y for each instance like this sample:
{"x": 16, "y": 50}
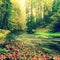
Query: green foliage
{"x": 40, "y": 23}
{"x": 14, "y": 20}
{"x": 3, "y": 51}
{"x": 10, "y": 38}
{"x": 5, "y": 14}
{"x": 56, "y": 21}
{"x": 43, "y": 14}
{"x": 9, "y": 16}
{"x": 21, "y": 58}
{"x": 53, "y": 17}
{"x": 56, "y": 5}
{"x": 31, "y": 25}
{"x": 47, "y": 18}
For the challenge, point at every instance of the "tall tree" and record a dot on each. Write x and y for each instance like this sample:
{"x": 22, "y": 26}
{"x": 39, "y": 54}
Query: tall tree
{"x": 5, "y": 13}
{"x": 56, "y": 5}
{"x": 56, "y": 16}
{"x": 30, "y": 18}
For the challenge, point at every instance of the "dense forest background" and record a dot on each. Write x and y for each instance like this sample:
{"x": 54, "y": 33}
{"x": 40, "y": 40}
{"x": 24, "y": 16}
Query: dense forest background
{"x": 30, "y": 15}
{"x": 30, "y": 29}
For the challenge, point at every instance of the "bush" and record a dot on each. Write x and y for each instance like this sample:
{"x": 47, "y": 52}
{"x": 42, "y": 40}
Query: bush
{"x": 31, "y": 25}
{"x": 3, "y": 51}
{"x": 55, "y": 22}
{"x": 40, "y": 23}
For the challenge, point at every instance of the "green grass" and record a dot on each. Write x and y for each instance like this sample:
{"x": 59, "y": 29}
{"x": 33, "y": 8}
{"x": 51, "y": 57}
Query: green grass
{"x": 48, "y": 34}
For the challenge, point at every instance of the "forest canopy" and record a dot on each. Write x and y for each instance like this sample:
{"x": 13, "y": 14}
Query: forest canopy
{"x": 30, "y": 15}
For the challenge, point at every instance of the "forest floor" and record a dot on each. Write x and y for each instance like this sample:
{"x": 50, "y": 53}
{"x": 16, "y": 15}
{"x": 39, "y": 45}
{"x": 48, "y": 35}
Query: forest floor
{"x": 35, "y": 43}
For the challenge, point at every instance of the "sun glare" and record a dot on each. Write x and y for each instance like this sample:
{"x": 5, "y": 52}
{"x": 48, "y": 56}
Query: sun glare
{"x": 22, "y": 2}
